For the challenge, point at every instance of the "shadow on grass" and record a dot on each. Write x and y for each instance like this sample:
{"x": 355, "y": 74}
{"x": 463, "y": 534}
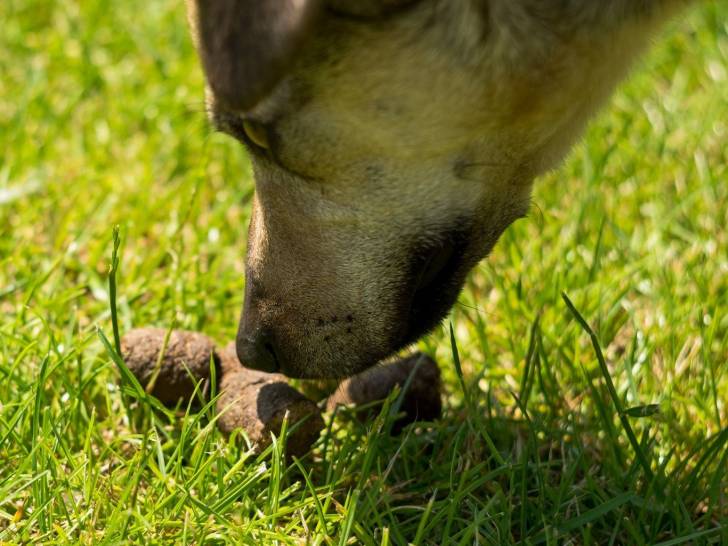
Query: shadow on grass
{"x": 552, "y": 480}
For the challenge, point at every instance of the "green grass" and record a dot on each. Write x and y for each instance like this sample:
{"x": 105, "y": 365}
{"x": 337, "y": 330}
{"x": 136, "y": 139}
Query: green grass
{"x": 551, "y": 434}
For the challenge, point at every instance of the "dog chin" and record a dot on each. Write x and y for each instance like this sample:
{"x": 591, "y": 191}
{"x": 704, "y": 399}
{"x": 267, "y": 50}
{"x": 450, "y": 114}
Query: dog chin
{"x": 340, "y": 366}
{"x": 423, "y": 315}
{"x": 317, "y": 366}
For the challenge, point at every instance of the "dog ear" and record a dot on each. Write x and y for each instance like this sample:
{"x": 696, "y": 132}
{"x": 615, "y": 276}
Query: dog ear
{"x": 367, "y": 8}
{"x": 247, "y": 45}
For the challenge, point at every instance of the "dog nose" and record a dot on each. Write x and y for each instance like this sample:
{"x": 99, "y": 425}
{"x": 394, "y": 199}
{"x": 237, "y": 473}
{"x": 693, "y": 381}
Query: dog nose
{"x": 257, "y": 350}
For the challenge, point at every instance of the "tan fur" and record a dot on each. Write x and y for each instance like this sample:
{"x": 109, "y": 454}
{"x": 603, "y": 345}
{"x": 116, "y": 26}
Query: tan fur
{"x": 390, "y": 133}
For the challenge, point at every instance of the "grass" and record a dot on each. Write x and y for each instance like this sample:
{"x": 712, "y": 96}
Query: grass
{"x": 586, "y": 381}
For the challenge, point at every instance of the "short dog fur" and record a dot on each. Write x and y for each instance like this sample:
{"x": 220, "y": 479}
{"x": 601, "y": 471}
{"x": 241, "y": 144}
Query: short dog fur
{"x": 393, "y": 141}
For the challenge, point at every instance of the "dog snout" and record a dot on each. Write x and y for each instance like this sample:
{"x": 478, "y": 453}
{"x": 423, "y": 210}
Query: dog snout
{"x": 255, "y": 342}
{"x": 256, "y": 349}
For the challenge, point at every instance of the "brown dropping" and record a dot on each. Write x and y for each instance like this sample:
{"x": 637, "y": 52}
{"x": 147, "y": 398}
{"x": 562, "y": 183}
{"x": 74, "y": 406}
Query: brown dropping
{"x": 257, "y": 403}
{"x": 186, "y": 361}
{"x": 421, "y": 402}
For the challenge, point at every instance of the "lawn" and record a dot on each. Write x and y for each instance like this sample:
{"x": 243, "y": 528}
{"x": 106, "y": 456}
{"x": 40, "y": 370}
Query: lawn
{"x": 549, "y": 436}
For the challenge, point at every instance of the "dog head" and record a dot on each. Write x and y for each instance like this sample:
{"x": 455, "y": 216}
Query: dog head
{"x": 392, "y": 142}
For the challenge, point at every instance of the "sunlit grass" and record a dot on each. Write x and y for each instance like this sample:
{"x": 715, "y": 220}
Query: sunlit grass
{"x": 101, "y": 123}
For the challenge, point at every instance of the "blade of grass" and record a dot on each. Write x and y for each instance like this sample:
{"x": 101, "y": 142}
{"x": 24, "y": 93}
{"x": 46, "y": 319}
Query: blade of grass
{"x": 468, "y": 401}
{"x": 40, "y": 487}
{"x": 317, "y": 503}
{"x": 113, "y": 268}
{"x": 352, "y": 499}
{"x": 692, "y": 536}
{"x": 419, "y": 535}
{"x": 641, "y": 457}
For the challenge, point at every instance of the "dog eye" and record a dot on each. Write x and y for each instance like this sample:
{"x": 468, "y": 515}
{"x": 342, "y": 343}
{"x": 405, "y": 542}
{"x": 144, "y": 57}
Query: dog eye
{"x": 256, "y": 133}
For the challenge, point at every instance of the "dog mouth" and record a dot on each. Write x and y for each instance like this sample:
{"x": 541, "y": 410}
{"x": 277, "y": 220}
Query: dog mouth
{"x": 438, "y": 274}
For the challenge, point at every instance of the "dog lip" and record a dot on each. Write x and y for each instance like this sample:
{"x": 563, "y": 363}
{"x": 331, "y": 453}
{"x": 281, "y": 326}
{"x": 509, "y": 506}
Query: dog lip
{"x": 436, "y": 276}
{"x": 438, "y": 260}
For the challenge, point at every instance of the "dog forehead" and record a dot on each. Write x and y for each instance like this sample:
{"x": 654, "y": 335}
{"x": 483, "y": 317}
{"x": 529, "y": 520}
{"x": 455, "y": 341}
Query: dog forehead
{"x": 358, "y": 104}
{"x": 433, "y": 106}
{"x": 378, "y": 141}
{"x": 443, "y": 72}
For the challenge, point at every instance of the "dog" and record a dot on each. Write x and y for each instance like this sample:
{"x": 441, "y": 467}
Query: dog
{"x": 392, "y": 142}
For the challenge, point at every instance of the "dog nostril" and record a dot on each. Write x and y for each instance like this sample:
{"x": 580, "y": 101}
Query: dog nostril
{"x": 271, "y": 350}
{"x": 258, "y": 352}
